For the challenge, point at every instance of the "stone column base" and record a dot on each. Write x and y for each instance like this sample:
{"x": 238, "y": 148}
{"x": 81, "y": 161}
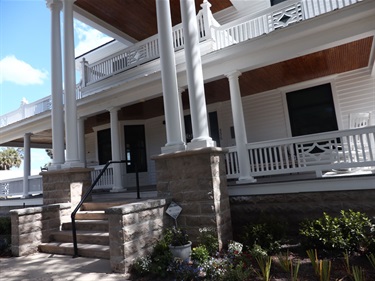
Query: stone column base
{"x": 66, "y": 185}
{"x": 196, "y": 180}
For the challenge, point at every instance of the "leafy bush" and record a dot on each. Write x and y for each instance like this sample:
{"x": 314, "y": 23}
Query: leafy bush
{"x": 5, "y": 226}
{"x": 200, "y": 254}
{"x": 5, "y": 234}
{"x": 347, "y": 232}
{"x": 208, "y": 238}
{"x": 265, "y": 236}
{"x": 158, "y": 262}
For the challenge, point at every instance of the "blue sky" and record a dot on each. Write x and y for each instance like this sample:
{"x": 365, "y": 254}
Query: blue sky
{"x": 25, "y": 55}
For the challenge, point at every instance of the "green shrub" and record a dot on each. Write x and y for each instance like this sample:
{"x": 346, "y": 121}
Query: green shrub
{"x": 5, "y": 226}
{"x": 5, "y": 234}
{"x": 200, "y": 254}
{"x": 347, "y": 232}
{"x": 208, "y": 238}
{"x": 265, "y": 236}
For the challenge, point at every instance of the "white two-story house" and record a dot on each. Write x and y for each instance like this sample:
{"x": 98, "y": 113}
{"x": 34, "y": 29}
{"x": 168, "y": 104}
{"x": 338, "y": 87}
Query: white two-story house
{"x": 289, "y": 90}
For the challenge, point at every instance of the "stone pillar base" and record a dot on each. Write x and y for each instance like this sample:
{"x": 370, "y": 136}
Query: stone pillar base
{"x": 65, "y": 186}
{"x": 196, "y": 180}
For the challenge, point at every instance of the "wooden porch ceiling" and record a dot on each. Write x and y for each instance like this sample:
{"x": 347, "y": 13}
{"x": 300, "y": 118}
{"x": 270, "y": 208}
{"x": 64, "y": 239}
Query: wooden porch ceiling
{"x": 137, "y": 18}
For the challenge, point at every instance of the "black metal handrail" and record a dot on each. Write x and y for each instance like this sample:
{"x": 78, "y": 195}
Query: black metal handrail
{"x": 88, "y": 192}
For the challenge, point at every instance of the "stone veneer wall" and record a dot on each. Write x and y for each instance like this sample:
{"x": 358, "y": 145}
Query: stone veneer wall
{"x": 295, "y": 207}
{"x": 66, "y": 185}
{"x": 134, "y": 229}
{"x": 32, "y": 226}
{"x": 196, "y": 180}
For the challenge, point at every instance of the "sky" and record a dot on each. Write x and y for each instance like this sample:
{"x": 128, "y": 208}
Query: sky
{"x": 25, "y": 63}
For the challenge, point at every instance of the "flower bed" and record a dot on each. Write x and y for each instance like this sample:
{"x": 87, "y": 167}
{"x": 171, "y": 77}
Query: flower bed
{"x": 265, "y": 253}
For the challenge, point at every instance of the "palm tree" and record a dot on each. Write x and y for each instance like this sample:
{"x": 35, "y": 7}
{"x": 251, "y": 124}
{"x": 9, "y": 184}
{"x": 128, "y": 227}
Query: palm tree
{"x": 10, "y": 157}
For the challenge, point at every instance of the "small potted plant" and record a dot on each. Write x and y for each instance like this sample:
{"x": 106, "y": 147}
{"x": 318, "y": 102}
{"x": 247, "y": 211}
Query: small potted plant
{"x": 180, "y": 246}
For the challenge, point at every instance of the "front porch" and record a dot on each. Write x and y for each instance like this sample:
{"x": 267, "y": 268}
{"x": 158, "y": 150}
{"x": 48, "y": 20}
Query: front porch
{"x": 345, "y": 156}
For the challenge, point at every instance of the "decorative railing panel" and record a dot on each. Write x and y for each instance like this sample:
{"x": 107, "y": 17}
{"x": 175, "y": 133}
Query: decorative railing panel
{"x": 340, "y": 151}
{"x": 278, "y": 16}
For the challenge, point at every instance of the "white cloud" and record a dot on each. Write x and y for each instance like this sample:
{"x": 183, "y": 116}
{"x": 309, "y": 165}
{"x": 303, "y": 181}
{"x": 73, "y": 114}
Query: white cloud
{"x": 88, "y": 38}
{"x": 20, "y": 72}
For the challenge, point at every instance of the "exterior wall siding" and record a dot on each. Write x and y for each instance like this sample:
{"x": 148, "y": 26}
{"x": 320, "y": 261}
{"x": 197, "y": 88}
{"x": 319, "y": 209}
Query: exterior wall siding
{"x": 355, "y": 93}
{"x": 264, "y": 116}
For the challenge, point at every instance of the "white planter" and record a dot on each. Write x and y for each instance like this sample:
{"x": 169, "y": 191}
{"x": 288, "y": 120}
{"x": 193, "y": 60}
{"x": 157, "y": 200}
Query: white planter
{"x": 183, "y": 252}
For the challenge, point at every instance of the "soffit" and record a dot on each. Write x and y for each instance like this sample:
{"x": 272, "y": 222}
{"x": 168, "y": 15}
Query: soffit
{"x": 137, "y": 18}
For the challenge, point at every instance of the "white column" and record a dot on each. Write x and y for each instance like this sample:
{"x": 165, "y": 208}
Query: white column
{"x": 194, "y": 72}
{"x": 57, "y": 113}
{"x": 172, "y": 107}
{"x": 115, "y": 144}
{"x": 81, "y": 141}
{"x": 239, "y": 128}
{"x": 26, "y": 164}
{"x": 71, "y": 132}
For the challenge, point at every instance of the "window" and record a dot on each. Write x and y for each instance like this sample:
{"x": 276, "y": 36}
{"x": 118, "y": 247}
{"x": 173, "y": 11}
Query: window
{"x": 135, "y": 148}
{"x": 311, "y": 110}
{"x": 104, "y": 146}
{"x": 213, "y": 127}
{"x": 275, "y": 2}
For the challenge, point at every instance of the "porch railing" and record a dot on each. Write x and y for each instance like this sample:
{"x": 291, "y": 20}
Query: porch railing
{"x": 339, "y": 151}
{"x": 14, "y": 187}
{"x": 106, "y": 179}
{"x": 278, "y": 16}
{"x": 26, "y": 110}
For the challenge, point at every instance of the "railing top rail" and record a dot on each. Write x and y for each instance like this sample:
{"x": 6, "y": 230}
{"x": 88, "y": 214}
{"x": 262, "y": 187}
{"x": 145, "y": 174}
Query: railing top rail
{"x": 314, "y": 137}
{"x": 261, "y": 13}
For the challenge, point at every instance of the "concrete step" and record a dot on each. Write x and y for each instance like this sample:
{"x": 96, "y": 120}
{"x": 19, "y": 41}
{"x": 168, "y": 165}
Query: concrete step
{"x": 97, "y": 206}
{"x": 91, "y": 215}
{"x": 84, "y": 250}
{"x": 83, "y": 237}
{"x": 87, "y": 225}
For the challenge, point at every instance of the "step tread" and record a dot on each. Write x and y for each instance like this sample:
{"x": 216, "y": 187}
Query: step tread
{"x": 82, "y": 246}
{"x": 91, "y": 215}
{"x": 97, "y": 206}
{"x": 88, "y": 225}
{"x": 85, "y": 250}
{"x": 83, "y": 232}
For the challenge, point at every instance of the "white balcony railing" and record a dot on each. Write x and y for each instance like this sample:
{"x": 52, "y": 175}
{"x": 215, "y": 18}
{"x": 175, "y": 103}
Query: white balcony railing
{"x": 14, "y": 187}
{"x": 341, "y": 151}
{"x": 26, "y": 110}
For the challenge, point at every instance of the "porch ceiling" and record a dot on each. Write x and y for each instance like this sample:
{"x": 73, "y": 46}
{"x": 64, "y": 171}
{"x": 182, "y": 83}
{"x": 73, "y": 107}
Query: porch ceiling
{"x": 137, "y": 18}
{"x": 331, "y": 61}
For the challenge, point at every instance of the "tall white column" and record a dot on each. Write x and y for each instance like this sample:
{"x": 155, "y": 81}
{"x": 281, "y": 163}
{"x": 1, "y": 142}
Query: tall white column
{"x": 71, "y": 132}
{"x": 239, "y": 128}
{"x": 172, "y": 109}
{"x": 26, "y": 164}
{"x": 81, "y": 141}
{"x": 194, "y": 71}
{"x": 57, "y": 113}
{"x": 115, "y": 144}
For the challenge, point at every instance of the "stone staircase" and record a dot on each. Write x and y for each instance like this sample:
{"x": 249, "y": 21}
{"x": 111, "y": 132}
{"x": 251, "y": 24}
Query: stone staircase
{"x": 92, "y": 233}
